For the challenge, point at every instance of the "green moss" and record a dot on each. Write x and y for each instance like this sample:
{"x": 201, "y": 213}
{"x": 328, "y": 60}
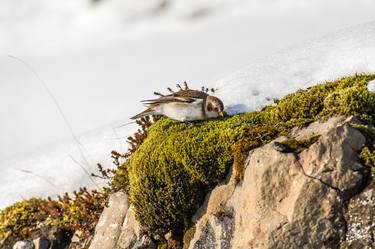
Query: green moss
{"x": 27, "y": 219}
{"x": 299, "y": 146}
{"x": 19, "y": 219}
{"x": 178, "y": 163}
{"x": 367, "y": 156}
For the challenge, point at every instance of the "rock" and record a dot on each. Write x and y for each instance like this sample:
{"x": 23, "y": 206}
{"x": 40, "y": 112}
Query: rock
{"x": 60, "y": 238}
{"x": 76, "y": 237}
{"x": 24, "y": 244}
{"x": 130, "y": 231}
{"x": 108, "y": 229}
{"x": 361, "y": 219}
{"x": 145, "y": 242}
{"x": 287, "y": 200}
{"x": 371, "y": 86}
{"x": 41, "y": 243}
{"x": 118, "y": 229}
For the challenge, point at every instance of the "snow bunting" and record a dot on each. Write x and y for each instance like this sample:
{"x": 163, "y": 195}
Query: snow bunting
{"x": 184, "y": 105}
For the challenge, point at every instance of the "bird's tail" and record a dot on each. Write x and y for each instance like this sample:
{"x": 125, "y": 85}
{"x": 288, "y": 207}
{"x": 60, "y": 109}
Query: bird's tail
{"x": 147, "y": 112}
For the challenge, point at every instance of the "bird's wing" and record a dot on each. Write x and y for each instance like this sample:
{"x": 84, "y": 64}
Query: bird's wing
{"x": 190, "y": 94}
{"x": 164, "y": 100}
{"x": 183, "y": 96}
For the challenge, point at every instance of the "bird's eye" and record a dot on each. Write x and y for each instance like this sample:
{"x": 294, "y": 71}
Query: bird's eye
{"x": 216, "y": 109}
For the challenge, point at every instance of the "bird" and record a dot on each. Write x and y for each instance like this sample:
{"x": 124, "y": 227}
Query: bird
{"x": 184, "y": 105}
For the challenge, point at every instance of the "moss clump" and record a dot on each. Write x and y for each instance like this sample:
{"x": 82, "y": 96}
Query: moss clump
{"x": 178, "y": 163}
{"x": 28, "y": 219}
{"x": 367, "y": 156}
{"x": 299, "y": 146}
{"x": 21, "y": 218}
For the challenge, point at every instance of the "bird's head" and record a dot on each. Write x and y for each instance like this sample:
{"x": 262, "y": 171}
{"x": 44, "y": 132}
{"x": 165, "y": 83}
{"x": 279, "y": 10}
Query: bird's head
{"x": 214, "y": 107}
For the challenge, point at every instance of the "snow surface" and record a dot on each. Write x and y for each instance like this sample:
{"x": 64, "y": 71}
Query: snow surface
{"x": 340, "y": 54}
{"x": 371, "y": 86}
{"x": 100, "y": 60}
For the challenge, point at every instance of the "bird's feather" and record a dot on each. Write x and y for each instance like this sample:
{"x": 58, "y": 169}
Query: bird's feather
{"x": 147, "y": 112}
{"x": 190, "y": 94}
{"x": 164, "y": 100}
{"x": 183, "y": 96}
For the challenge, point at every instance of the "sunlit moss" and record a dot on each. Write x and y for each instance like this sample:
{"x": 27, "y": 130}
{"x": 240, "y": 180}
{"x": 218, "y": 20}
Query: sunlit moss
{"x": 26, "y": 219}
{"x": 19, "y": 219}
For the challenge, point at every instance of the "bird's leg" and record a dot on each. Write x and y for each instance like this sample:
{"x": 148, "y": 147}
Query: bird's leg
{"x": 186, "y": 85}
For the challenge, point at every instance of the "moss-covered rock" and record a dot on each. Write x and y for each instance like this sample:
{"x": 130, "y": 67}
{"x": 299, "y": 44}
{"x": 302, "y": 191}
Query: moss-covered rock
{"x": 178, "y": 163}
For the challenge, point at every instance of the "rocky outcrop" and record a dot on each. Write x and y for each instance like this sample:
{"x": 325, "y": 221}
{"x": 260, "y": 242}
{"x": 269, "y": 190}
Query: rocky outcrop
{"x": 287, "y": 200}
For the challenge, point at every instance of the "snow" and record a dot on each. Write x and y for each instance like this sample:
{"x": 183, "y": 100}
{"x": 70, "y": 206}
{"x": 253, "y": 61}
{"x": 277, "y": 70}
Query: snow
{"x": 371, "y": 86}
{"x": 331, "y": 57}
{"x": 100, "y": 60}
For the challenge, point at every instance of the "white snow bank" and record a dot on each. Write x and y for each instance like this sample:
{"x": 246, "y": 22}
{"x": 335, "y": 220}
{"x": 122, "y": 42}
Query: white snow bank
{"x": 340, "y": 54}
{"x": 61, "y": 167}
{"x": 371, "y": 86}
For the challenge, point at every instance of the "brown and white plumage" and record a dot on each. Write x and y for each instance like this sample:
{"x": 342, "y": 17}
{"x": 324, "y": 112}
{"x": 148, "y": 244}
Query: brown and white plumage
{"x": 184, "y": 105}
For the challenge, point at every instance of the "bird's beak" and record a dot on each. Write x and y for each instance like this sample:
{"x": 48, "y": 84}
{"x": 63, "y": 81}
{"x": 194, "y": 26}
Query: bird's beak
{"x": 221, "y": 114}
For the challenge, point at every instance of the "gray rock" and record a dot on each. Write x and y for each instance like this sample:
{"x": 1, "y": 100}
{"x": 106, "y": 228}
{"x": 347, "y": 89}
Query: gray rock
{"x": 287, "y": 200}
{"x": 24, "y": 244}
{"x": 130, "y": 231}
{"x": 108, "y": 229}
{"x": 361, "y": 219}
{"x": 145, "y": 242}
{"x": 41, "y": 243}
